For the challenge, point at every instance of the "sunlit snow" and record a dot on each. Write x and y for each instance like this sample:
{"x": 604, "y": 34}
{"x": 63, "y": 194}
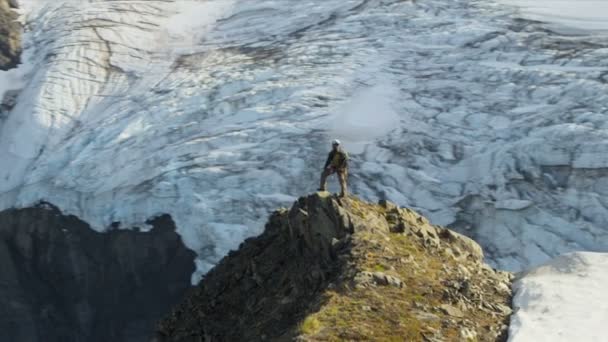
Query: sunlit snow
{"x": 567, "y": 14}
{"x": 563, "y": 300}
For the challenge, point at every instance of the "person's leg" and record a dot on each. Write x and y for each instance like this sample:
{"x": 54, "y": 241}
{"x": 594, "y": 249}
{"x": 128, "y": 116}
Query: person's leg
{"x": 342, "y": 177}
{"x": 324, "y": 175}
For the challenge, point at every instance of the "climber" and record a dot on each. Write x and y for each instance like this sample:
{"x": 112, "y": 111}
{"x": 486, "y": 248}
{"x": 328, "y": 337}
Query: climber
{"x": 337, "y": 162}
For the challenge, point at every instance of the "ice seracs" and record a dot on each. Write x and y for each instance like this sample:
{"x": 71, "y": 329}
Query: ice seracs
{"x": 482, "y": 121}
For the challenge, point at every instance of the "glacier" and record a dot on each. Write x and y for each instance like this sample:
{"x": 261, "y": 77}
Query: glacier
{"x": 218, "y": 112}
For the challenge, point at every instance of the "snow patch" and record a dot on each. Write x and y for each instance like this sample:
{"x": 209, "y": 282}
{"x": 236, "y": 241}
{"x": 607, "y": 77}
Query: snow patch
{"x": 562, "y": 300}
{"x": 367, "y": 116}
{"x": 194, "y": 20}
{"x": 579, "y": 14}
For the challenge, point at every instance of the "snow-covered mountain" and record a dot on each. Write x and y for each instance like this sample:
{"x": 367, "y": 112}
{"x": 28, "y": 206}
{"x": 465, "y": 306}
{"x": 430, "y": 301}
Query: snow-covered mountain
{"x": 218, "y": 111}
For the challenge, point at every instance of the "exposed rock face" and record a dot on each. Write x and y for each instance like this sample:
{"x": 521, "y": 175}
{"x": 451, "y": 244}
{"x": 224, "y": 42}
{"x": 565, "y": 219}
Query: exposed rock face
{"x": 10, "y": 36}
{"x": 63, "y": 282}
{"x": 343, "y": 269}
{"x": 266, "y": 286}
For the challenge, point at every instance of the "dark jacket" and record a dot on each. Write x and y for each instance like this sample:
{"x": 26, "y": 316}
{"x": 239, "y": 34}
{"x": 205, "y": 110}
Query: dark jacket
{"x": 340, "y": 163}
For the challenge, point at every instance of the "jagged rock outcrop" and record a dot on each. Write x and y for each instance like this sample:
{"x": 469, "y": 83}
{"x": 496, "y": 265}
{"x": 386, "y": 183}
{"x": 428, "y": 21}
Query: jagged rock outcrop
{"x": 343, "y": 269}
{"x": 60, "y": 281}
{"x": 10, "y": 36}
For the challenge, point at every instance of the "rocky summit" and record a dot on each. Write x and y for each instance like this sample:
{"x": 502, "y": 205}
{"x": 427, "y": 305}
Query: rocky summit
{"x": 10, "y": 35}
{"x": 338, "y": 269}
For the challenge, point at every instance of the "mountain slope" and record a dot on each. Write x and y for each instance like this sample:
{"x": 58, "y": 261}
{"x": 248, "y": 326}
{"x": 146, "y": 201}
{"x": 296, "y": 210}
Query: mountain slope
{"x": 342, "y": 269}
{"x": 63, "y": 282}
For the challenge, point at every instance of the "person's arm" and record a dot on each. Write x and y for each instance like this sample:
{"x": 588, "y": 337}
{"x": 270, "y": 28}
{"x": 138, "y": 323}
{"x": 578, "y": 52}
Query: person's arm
{"x": 328, "y": 160}
{"x": 344, "y": 161}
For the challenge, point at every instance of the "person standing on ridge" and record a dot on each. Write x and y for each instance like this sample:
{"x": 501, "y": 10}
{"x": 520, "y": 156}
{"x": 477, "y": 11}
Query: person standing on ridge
{"x": 337, "y": 162}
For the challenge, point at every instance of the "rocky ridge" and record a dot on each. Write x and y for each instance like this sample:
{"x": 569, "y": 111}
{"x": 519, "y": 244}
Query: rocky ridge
{"x": 342, "y": 269}
{"x": 63, "y": 282}
{"x": 10, "y": 35}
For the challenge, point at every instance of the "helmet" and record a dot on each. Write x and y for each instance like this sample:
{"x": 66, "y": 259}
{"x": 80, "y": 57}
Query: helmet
{"x": 335, "y": 142}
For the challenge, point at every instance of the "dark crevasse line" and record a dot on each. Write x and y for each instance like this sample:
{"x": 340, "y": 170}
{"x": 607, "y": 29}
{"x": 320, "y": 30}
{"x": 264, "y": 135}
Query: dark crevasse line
{"x": 62, "y": 281}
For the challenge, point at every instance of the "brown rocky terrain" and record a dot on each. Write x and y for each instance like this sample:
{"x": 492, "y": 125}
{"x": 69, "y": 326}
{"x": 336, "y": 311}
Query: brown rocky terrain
{"x": 332, "y": 269}
{"x": 10, "y": 35}
{"x": 61, "y": 281}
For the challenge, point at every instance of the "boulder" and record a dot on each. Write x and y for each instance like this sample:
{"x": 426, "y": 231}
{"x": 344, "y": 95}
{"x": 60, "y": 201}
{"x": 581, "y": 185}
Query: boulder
{"x": 451, "y": 310}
